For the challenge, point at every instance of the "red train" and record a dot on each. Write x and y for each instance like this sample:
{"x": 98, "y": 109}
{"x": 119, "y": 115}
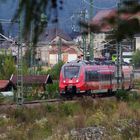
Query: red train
{"x": 90, "y": 78}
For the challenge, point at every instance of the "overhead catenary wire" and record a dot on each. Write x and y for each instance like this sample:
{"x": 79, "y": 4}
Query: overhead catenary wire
{"x": 101, "y": 8}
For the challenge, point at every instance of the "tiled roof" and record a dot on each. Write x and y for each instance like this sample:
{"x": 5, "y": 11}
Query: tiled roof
{"x": 33, "y": 79}
{"x": 51, "y": 34}
{"x": 4, "y": 84}
{"x": 64, "y": 49}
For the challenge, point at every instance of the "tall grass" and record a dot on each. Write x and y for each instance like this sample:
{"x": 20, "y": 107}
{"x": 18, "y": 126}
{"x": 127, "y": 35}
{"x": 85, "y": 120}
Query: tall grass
{"x": 121, "y": 120}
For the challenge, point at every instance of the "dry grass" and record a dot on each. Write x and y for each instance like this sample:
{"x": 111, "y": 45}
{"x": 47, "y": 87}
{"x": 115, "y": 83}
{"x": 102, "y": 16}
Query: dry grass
{"x": 54, "y": 122}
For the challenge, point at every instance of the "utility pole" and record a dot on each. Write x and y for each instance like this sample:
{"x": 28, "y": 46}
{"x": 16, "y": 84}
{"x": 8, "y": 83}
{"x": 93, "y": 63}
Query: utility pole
{"x": 83, "y": 14}
{"x": 19, "y": 97}
{"x": 31, "y": 49}
{"x": 91, "y": 49}
{"x": 119, "y": 58}
{"x": 119, "y": 65}
{"x": 59, "y": 49}
{"x": 82, "y": 17}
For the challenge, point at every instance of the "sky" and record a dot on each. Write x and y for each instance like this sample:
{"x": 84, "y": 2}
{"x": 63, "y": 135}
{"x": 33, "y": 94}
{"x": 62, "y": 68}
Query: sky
{"x": 67, "y": 16}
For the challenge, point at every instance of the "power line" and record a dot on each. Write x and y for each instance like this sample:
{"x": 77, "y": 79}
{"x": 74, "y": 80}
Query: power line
{"x": 102, "y": 8}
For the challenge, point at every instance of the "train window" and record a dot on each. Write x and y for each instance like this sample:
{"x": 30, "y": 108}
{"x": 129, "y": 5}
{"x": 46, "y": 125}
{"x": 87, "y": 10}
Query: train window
{"x": 92, "y": 76}
{"x": 71, "y": 71}
{"x": 105, "y": 77}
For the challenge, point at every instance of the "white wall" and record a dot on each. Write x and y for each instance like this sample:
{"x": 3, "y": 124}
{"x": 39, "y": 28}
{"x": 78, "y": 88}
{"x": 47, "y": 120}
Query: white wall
{"x": 137, "y": 43}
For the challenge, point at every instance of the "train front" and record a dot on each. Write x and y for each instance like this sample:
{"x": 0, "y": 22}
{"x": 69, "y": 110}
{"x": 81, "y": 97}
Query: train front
{"x": 71, "y": 79}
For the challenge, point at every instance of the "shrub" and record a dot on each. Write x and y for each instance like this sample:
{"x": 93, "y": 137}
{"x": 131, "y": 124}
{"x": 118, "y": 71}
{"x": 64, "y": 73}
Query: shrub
{"x": 68, "y": 109}
{"x": 122, "y": 95}
{"x": 55, "y": 70}
{"x": 52, "y": 90}
{"x": 50, "y": 108}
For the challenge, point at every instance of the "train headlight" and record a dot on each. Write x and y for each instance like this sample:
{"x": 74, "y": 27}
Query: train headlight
{"x": 77, "y": 81}
{"x": 64, "y": 81}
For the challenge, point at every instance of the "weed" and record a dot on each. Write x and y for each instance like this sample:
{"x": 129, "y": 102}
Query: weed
{"x": 52, "y": 90}
{"x": 122, "y": 95}
{"x": 69, "y": 108}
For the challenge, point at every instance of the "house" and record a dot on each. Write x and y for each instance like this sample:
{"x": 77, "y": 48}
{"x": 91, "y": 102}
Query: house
{"x": 8, "y": 45}
{"x": 69, "y": 52}
{"x": 36, "y": 84}
{"x": 137, "y": 42}
{"x": 47, "y": 47}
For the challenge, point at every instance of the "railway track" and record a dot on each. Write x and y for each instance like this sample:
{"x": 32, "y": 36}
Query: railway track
{"x": 32, "y": 104}
{"x": 29, "y": 104}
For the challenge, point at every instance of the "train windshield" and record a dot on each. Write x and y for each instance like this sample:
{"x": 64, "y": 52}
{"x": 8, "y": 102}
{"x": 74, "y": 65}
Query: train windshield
{"x": 71, "y": 71}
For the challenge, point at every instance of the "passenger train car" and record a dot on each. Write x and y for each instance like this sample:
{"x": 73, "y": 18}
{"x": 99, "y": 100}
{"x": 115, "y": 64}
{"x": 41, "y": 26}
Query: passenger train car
{"x": 90, "y": 78}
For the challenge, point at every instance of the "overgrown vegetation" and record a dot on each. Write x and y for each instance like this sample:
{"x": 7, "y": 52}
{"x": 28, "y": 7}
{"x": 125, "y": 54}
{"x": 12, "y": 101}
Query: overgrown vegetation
{"x": 52, "y": 90}
{"x": 55, "y": 70}
{"x": 56, "y": 121}
{"x": 7, "y": 67}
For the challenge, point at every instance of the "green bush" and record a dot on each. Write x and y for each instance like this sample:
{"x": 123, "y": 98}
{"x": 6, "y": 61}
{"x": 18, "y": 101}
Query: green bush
{"x": 52, "y": 90}
{"x": 50, "y": 108}
{"x": 55, "y": 70}
{"x": 68, "y": 109}
{"x": 122, "y": 95}
{"x": 1, "y": 98}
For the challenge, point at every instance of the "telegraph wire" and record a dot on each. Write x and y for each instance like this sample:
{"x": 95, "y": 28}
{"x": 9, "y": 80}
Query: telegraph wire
{"x": 101, "y": 8}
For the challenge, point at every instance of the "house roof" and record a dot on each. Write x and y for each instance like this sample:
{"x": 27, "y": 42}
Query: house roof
{"x": 66, "y": 48}
{"x": 33, "y": 79}
{"x": 3, "y": 84}
{"x": 51, "y": 34}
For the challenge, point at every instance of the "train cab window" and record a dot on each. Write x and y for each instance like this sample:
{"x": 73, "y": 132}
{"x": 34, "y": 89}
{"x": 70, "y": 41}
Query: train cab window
{"x": 71, "y": 71}
{"x": 92, "y": 76}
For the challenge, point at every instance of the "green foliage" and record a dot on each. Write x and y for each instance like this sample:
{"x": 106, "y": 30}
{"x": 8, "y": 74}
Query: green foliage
{"x": 52, "y": 90}
{"x": 123, "y": 28}
{"x": 50, "y": 108}
{"x": 120, "y": 120}
{"x": 68, "y": 109}
{"x": 7, "y": 66}
{"x": 23, "y": 115}
{"x": 136, "y": 59}
{"x": 33, "y": 12}
{"x": 24, "y": 68}
{"x": 55, "y": 70}
{"x": 122, "y": 95}
{"x": 96, "y": 119}
{"x": 2, "y": 98}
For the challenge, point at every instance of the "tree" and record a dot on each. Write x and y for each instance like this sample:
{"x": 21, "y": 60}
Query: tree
{"x": 125, "y": 23}
{"x": 7, "y": 66}
{"x": 55, "y": 70}
{"x": 33, "y": 14}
